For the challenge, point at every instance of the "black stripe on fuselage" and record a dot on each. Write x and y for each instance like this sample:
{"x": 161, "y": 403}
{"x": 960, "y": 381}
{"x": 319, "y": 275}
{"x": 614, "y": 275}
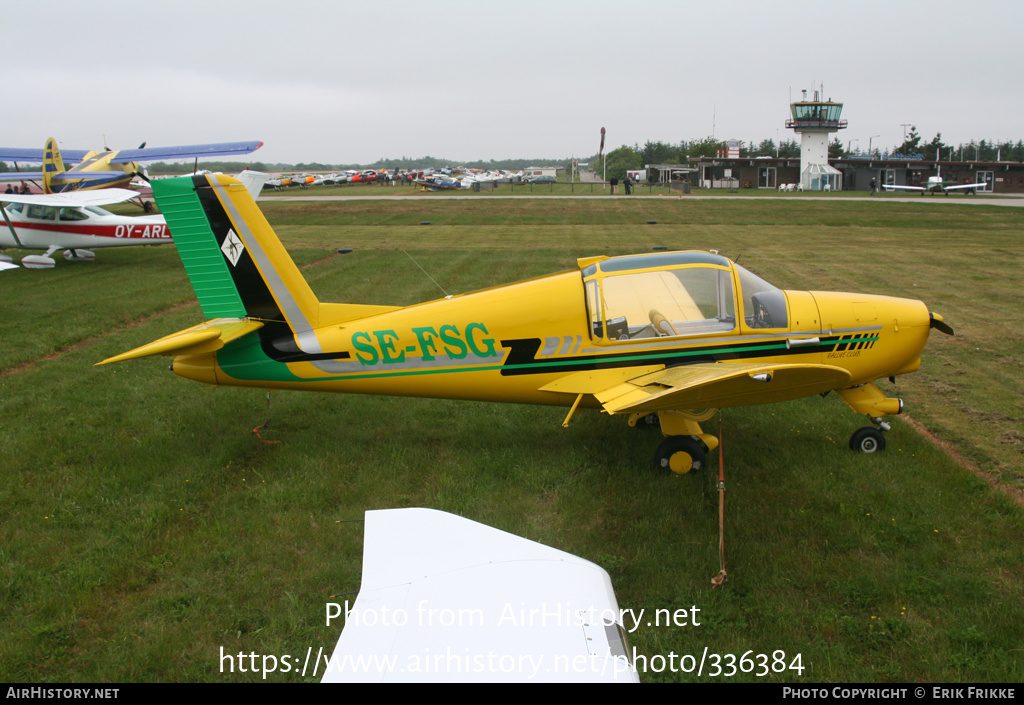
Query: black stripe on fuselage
{"x": 276, "y": 337}
{"x": 522, "y": 358}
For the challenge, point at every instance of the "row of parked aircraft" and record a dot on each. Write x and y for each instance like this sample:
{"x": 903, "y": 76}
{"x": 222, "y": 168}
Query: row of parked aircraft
{"x": 335, "y": 179}
{"x": 429, "y": 179}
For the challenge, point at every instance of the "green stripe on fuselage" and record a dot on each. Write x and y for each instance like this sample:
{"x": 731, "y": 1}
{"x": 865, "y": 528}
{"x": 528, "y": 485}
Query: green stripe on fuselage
{"x": 245, "y": 360}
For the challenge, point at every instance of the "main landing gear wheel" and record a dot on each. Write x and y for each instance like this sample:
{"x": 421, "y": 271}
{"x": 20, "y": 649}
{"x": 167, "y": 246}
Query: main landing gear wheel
{"x": 680, "y": 454}
{"x": 867, "y": 440}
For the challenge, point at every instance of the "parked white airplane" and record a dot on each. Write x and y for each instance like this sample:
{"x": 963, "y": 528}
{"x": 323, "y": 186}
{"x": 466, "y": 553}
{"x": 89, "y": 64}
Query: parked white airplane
{"x": 936, "y": 185}
{"x": 75, "y": 223}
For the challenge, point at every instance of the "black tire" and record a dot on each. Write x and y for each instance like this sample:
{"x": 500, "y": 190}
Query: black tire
{"x": 680, "y": 454}
{"x": 867, "y": 440}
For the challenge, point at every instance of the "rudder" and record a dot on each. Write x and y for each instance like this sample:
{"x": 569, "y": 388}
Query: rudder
{"x": 52, "y": 163}
{"x": 234, "y": 260}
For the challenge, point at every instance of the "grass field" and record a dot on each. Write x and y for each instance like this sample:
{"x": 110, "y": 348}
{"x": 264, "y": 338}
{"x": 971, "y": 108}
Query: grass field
{"x": 145, "y": 527}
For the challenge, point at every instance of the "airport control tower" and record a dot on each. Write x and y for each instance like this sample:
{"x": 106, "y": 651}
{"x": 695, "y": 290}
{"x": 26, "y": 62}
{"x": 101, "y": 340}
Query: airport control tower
{"x": 814, "y": 120}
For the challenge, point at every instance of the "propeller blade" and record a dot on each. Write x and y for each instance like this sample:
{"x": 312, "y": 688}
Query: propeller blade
{"x": 939, "y": 324}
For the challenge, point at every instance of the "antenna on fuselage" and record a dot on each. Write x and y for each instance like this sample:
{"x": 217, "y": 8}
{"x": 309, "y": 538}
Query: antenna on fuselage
{"x": 446, "y": 294}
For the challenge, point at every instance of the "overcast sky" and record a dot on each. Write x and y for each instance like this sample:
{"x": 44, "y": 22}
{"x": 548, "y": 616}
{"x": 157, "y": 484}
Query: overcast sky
{"x": 351, "y": 82}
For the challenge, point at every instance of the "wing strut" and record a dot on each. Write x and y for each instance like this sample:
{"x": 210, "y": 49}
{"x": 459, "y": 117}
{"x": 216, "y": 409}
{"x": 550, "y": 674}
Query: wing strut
{"x": 722, "y": 576}
{"x": 565, "y": 424}
{"x": 11, "y": 227}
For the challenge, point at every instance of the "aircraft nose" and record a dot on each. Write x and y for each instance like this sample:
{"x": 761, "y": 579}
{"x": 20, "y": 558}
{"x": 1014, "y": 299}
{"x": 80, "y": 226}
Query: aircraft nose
{"x": 910, "y": 323}
{"x": 909, "y": 313}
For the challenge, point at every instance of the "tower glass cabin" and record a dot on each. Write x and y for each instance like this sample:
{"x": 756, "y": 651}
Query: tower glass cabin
{"x": 814, "y": 120}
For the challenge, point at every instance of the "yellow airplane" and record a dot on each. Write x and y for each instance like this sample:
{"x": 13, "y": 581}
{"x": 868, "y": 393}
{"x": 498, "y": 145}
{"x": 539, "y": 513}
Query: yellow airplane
{"x": 672, "y": 334}
{"x": 105, "y": 169}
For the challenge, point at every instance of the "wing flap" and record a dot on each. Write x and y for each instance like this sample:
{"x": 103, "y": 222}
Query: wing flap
{"x": 206, "y": 337}
{"x": 715, "y": 385}
{"x": 595, "y": 381}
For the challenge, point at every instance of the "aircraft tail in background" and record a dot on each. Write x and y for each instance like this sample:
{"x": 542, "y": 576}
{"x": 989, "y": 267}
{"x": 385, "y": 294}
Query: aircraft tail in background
{"x": 52, "y": 163}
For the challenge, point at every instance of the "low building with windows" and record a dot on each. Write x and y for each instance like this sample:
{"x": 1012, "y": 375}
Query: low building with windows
{"x": 858, "y": 171}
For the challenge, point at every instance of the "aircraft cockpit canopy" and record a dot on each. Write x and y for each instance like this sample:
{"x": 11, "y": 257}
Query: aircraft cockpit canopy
{"x": 676, "y": 294}
{"x": 62, "y": 213}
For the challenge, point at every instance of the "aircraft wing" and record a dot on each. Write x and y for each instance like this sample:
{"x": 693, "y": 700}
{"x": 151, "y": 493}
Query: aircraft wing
{"x": 21, "y": 176}
{"x": 14, "y": 154}
{"x": 446, "y": 599}
{"x": 97, "y": 197}
{"x": 963, "y": 186}
{"x": 713, "y": 385}
{"x": 152, "y": 154}
{"x": 896, "y": 187}
{"x": 7, "y": 265}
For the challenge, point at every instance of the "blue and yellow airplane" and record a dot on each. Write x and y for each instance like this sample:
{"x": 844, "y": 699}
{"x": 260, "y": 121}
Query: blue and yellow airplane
{"x": 675, "y": 335}
{"x": 106, "y": 169}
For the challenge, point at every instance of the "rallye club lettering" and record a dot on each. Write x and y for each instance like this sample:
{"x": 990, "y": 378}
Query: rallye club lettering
{"x": 158, "y": 231}
{"x": 380, "y": 346}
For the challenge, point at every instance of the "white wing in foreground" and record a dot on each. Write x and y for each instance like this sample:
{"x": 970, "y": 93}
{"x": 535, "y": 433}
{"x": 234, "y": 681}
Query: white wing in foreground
{"x": 446, "y": 599}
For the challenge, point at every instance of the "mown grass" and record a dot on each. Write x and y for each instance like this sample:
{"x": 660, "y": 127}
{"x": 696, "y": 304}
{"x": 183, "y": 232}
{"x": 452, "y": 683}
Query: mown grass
{"x": 145, "y": 526}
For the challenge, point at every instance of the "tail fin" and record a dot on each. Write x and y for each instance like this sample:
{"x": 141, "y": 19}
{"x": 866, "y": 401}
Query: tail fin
{"x": 52, "y": 163}
{"x": 236, "y": 263}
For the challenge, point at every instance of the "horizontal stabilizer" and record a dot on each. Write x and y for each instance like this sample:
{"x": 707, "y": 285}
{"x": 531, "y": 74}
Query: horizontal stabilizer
{"x": 715, "y": 385}
{"x": 206, "y": 337}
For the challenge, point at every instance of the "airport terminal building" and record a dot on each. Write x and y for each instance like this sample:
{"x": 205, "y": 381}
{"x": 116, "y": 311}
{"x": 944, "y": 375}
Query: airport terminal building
{"x": 816, "y": 120}
{"x": 857, "y": 173}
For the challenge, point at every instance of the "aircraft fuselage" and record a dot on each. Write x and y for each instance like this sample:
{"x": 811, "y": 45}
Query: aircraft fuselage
{"x": 40, "y": 227}
{"x": 507, "y": 343}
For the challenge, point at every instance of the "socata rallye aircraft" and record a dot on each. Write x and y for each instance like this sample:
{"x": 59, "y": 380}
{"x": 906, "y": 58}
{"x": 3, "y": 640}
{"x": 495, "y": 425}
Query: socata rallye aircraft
{"x": 673, "y": 334}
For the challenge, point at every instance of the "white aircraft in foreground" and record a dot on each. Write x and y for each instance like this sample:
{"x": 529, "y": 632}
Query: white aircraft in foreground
{"x": 444, "y": 599}
{"x": 75, "y": 223}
